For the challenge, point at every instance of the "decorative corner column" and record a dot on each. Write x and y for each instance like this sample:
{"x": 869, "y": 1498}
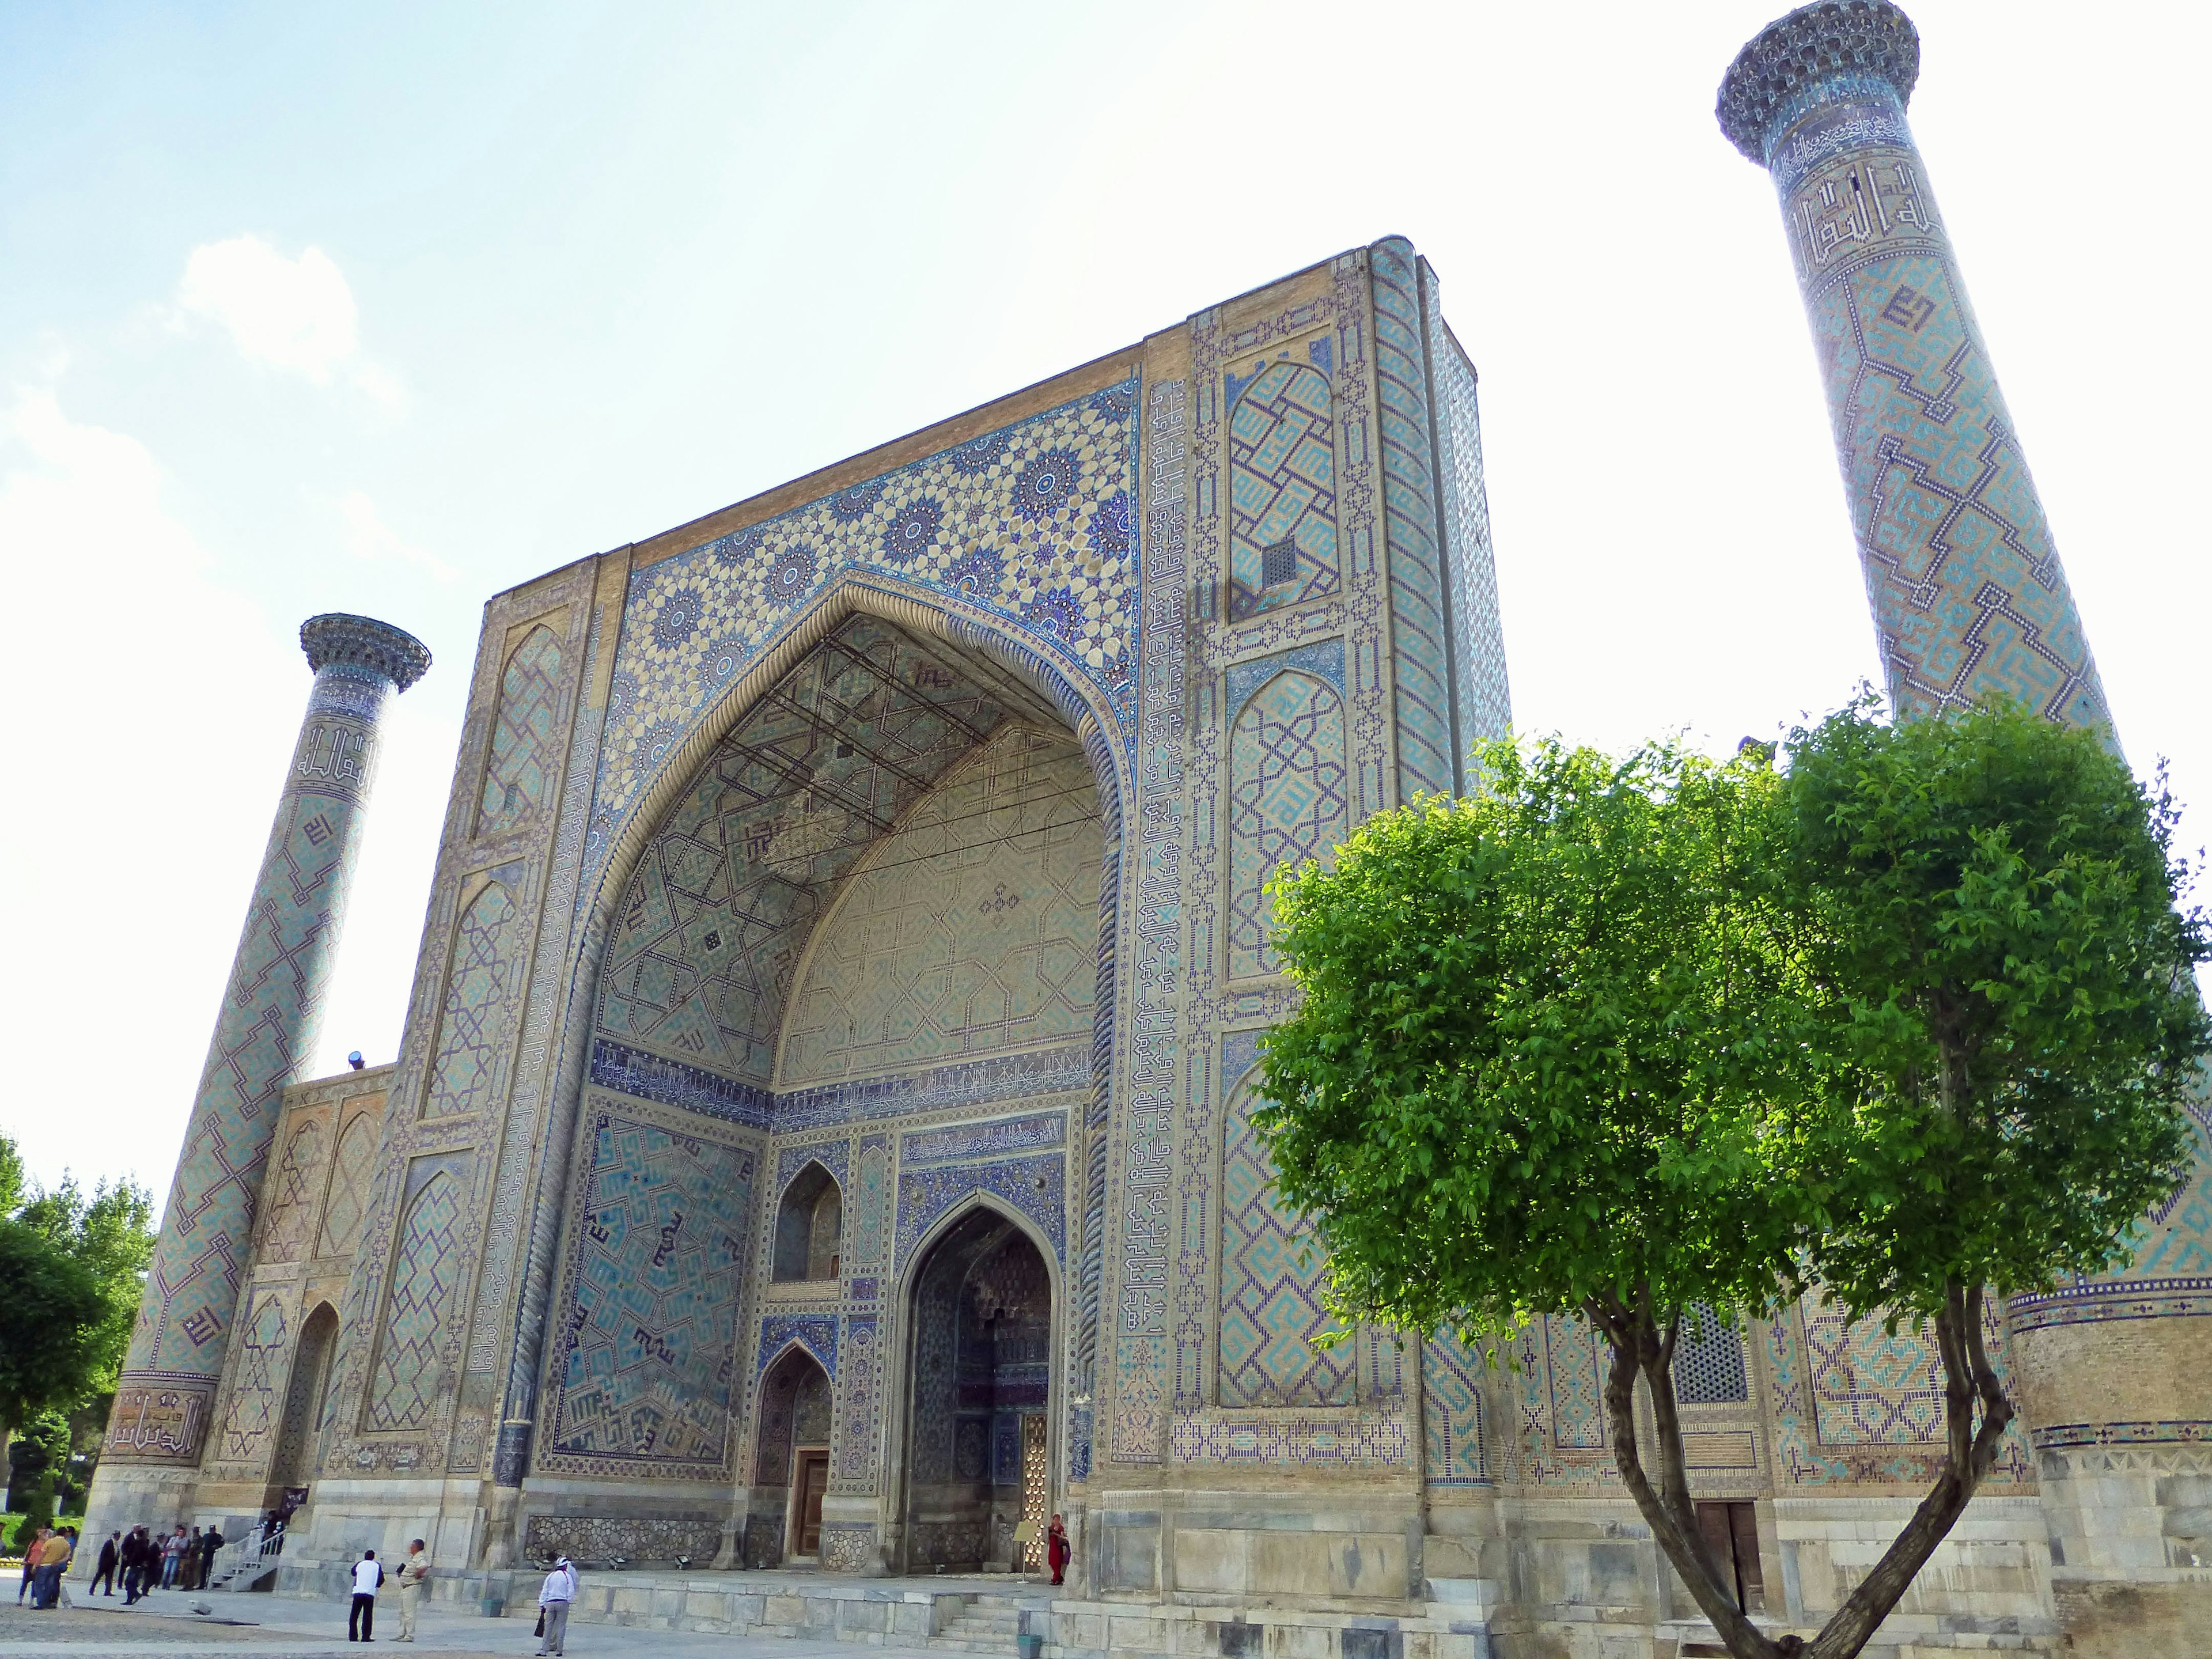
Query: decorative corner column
{"x": 265, "y": 1037}
{"x": 1967, "y": 592}
{"x": 2114, "y": 1375}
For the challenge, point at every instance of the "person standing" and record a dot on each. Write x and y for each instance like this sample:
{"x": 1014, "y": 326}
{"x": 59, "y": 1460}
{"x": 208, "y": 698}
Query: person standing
{"x": 553, "y": 1603}
{"x": 111, "y": 1556}
{"x": 53, "y": 1556}
{"x": 412, "y": 1572}
{"x": 173, "y": 1556}
{"x": 367, "y": 1577}
{"x": 1056, "y": 1550}
{"x": 133, "y": 1554}
{"x": 211, "y": 1541}
{"x": 30, "y": 1567}
{"x": 188, "y": 1570}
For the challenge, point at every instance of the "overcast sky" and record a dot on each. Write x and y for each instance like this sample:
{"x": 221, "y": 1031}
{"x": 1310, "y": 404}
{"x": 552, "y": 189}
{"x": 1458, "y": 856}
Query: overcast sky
{"x": 385, "y": 308}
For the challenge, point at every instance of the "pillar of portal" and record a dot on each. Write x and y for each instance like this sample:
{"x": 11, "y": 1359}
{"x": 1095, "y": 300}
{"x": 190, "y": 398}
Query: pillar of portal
{"x": 264, "y": 1037}
{"x": 2113, "y": 1376}
{"x": 1967, "y": 592}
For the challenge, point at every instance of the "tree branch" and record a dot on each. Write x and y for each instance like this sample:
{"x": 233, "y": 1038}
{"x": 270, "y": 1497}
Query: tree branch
{"x": 1968, "y": 1453}
{"x": 1633, "y": 1336}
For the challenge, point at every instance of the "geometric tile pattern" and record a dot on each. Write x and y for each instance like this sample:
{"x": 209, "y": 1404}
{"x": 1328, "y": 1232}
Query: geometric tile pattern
{"x": 1287, "y": 801}
{"x": 708, "y": 936}
{"x": 1282, "y": 483}
{"x": 291, "y": 1195}
{"x": 1420, "y": 663}
{"x": 263, "y": 1033}
{"x": 1577, "y": 1360}
{"x": 1968, "y": 595}
{"x": 651, "y": 1304}
{"x": 971, "y": 928}
{"x": 1035, "y": 1187}
{"x": 1272, "y": 1275}
{"x": 1031, "y": 524}
{"x": 1451, "y": 1413}
{"x": 525, "y": 750}
{"x": 472, "y": 1036}
{"x": 425, "y": 1269}
{"x": 1480, "y": 688}
{"x": 253, "y": 1398}
{"x": 1870, "y": 1388}
{"x": 351, "y": 1171}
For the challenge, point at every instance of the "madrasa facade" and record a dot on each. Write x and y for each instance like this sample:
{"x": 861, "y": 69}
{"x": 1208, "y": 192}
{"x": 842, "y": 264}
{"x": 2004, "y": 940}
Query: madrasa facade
{"x": 819, "y": 1150}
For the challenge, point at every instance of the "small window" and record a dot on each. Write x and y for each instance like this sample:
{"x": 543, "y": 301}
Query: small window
{"x": 1731, "y": 1533}
{"x": 1709, "y": 1368}
{"x": 1279, "y": 564}
{"x": 807, "y": 1224}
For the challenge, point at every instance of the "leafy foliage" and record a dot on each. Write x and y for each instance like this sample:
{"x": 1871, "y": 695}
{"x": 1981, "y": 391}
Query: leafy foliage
{"x": 1913, "y": 1020}
{"x": 2010, "y": 1021}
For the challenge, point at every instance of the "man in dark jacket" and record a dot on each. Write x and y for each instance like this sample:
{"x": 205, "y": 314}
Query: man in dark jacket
{"x": 110, "y": 1557}
{"x": 134, "y": 1565}
{"x": 211, "y": 1541}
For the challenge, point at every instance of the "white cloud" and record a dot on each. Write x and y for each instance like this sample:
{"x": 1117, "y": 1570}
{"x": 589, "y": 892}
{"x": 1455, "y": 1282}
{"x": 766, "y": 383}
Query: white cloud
{"x": 369, "y": 538}
{"x": 297, "y": 314}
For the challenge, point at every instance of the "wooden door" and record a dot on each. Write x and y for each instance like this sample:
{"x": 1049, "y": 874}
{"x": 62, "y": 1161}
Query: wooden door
{"x": 813, "y": 1481}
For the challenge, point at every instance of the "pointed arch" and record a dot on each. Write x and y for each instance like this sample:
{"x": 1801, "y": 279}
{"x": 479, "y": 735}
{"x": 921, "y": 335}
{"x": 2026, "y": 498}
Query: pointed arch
{"x": 426, "y": 1265}
{"x": 809, "y": 1226}
{"x": 1288, "y": 800}
{"x": 292, "y": 1194}
{"x": 472, "y": 1030}
{"x": 353, "y": 1167}
{"x": 305, "y": 1398}
{"x": 524, "y": 756}
{"x": 794, "y": 1422}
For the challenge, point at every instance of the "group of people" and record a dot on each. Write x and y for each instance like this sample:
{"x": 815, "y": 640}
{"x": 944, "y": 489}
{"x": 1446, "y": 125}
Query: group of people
{"x": 45, "y": 1559}
{"x": 174, "y": 1562}
{"x": 368, "y": 1578}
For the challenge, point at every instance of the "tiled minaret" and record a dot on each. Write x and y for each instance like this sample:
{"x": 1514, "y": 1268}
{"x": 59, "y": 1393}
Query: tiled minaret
{"x": 2113, "y": 1376}
{"x": 265, "y": 1037}
{"x": 1967, "y": 591}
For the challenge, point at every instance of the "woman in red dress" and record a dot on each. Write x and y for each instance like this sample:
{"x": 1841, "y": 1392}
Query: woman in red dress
{"x": 1057, "y": 1551}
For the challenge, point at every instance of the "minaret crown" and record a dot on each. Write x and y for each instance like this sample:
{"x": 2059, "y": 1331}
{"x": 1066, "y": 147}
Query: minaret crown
{"x": 1783, "y": 69}
{"x": 364, "y": 642}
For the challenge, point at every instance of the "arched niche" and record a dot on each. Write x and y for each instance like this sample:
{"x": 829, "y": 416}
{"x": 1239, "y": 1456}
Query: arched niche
{"x": 809, "y": 1223}
{"x": 793, "y": 1419}
{"x": 305, "y": 1399}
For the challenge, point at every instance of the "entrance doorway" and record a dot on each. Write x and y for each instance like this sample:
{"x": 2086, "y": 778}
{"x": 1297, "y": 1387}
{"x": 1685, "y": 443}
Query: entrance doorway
{"x": 791, "y": 1462}
{"x": 979, "y": 1440}
{"x": 807, "y": 1489}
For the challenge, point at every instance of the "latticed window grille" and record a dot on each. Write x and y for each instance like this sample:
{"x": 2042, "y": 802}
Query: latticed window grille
{"x": 1709, "y": 1362}
{"x": 1278, "y": 563}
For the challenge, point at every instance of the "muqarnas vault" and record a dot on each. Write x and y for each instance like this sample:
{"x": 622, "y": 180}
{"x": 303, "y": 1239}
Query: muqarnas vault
{"x": 820, "y": 1140}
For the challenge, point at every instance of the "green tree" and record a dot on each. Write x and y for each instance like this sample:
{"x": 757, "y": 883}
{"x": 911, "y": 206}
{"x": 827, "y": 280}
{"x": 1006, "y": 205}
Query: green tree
{"x": 74, "y": 1267}
{"x": 1585, "y": 1045}
{"x": 38, "y": 1461}
{"x": 2009, "y": 1026}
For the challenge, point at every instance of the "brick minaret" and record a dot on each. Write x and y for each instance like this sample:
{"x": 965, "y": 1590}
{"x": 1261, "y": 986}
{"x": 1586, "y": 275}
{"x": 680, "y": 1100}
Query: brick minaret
{"x": 2113, "y": 1376}
{"x": 265, "y": 1037}
{"x": 1967, "y": 591}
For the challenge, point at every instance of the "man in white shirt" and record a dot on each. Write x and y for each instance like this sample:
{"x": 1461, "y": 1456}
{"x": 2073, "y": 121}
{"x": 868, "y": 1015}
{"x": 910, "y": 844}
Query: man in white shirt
{"x": 368, "y": 1575}
{"x": 553, "y": 1601}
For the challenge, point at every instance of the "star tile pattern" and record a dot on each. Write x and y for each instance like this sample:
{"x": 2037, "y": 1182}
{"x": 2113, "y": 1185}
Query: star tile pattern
{"x": 292, "y": 1195}
{"x": 646, "y": 1371}
{"x": 1271, "y": 1274}
{"x": 472, "y": 1035}
{"x": 1033, "y": 525}
{"x": 525, "y": 739}
{"x": 351, "y": 1171}
{"x": 973, "y": 928}
{"x": 410, "y": 1368}
{"x": 1287, "y": 801}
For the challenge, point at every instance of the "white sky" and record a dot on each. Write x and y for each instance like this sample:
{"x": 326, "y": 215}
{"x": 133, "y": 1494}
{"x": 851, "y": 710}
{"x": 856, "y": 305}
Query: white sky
{"x": 385, "y": 309}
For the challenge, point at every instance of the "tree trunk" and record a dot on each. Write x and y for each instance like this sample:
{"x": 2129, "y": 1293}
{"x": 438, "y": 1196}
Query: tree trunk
{"x": 1640, "y": 1344}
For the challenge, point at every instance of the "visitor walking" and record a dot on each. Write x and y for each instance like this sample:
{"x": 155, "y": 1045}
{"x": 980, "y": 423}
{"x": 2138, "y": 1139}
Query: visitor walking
{"x": 111, "y": 1556}
{"x": 138, "y": 1561}
{"x": 1057, "y": 1551}
{"x": 30, "y": 1566}
{"x": 553, "y": 1602}
{"x": 412, "y": 1572}
{"x": 211, "y": 1541}
{"x": 368, "y": 1578}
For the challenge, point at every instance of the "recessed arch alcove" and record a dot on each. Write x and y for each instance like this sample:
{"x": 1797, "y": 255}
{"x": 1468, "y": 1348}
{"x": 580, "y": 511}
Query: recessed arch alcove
{"x": 973, "y": 1412}
{"x": 891, "y": 853}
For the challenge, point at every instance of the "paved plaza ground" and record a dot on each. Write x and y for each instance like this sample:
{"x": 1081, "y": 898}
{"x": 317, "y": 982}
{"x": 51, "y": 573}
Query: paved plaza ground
{"x": 281, "y": 1627}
